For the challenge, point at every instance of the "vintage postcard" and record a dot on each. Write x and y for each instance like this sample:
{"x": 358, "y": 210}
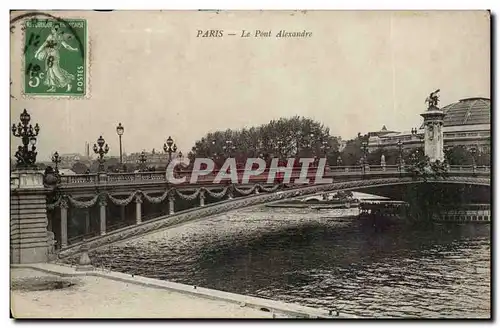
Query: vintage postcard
{"x": 250, "y": 164}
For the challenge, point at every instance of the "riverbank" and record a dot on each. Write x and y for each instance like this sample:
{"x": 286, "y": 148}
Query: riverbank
{"x": 56, "y": 291}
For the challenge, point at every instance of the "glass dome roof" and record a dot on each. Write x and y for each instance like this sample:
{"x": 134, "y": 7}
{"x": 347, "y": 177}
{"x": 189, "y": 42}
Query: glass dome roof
{"x": 468, "y": 111}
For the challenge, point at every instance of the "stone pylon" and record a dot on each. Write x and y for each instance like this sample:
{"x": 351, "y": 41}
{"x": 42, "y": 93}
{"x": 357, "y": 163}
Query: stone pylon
{"x": 30, "y": 241}
{"x": 433, "y": 135}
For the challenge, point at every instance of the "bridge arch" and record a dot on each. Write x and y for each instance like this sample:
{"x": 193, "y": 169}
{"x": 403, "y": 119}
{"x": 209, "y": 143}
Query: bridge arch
{"x": 210, "y": 210}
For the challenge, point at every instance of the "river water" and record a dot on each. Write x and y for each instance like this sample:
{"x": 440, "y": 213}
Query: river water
{"x": 322, "y": 259}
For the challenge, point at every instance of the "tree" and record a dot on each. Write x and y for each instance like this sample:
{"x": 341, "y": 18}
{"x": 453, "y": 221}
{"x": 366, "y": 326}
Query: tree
{"x": 110, "y": 165}
{"x": 391, "y": 156}
{"x": 414, "y": 155}
{"x": 353, "y": 151}
{"x": 483, "y": 158}
{"x": 458, "y": 155}
{"x": 79, "y": 168}
{"x": 284, "y": 138}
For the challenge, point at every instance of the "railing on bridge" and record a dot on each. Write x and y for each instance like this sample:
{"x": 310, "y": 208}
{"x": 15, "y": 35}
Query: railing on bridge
{"x": 330, "y": 171}
{"x": 469, "y": 168}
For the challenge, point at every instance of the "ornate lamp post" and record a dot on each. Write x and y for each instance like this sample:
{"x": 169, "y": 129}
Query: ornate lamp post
{"x": 325, "y": 146}
{"x": 119, "y": 130}
{"x": 99, "y": 150}
{"x": 311, "y": 139}
{"x": 364, "y": 145}
{"x": 56, "y": 160}
{"x": 339, "y": 161}
{"x": 25, "y": 156}
{"x": 228, "y": 148}
{"x": 213, "y": 148}
{"x": 400, "y": 149}
{"x": 473, "y": 151}
{"x": 169, "y": 147}
{"x": 278, "y": 148}
{"x": 414, "y": 132}
{"x": 142, "y": 160}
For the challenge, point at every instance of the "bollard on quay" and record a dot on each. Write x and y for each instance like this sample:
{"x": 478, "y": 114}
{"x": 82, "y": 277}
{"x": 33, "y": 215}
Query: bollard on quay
{"x": 84, "y": 264}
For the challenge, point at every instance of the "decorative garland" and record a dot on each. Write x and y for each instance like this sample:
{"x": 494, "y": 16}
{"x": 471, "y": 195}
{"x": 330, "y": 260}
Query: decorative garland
{"x": 126, "y": 201}
{"x": 83, "y": 204}
{"x": 245, "y": 192}
{"x": 159, "y": 199}
{"x": 272, "y": 189}
{"x": 188, "y": 197}
{"x": 216, "y": 194}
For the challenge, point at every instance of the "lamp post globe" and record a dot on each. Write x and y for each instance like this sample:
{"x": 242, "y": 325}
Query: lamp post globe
{"x": 120, "y": 129}
{"x": 473, "y": 151}
{"x": 25, "y": 117}
{"x": 100, "y": 141}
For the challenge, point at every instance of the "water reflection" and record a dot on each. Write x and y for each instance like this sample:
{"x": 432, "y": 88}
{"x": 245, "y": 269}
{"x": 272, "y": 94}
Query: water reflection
{"x": 372, "y": 269}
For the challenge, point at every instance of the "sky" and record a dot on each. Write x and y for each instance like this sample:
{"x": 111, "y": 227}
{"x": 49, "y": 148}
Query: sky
{"x": 357, "y": 72}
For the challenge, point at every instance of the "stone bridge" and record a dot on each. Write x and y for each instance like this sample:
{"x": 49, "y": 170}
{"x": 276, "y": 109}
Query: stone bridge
{"x": 138, "y": 189}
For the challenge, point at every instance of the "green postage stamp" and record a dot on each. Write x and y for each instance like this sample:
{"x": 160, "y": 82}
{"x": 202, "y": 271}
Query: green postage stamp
{"x": 55, "y": 57}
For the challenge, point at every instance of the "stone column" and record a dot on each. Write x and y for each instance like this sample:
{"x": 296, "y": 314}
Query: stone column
{"x": 138, "y": 210}
{"x": 202, "y": 198}
{"x": 171, "y": 204}
{"x": 87, "y": 221}
{"x": 64, "y": 222}
{"x": 102, "y": 204}
{"x": 433, "y": 135}
{"x": 122, "y": 213}
{"x": 50, "y": 227}
{"x": 29, "y": 237}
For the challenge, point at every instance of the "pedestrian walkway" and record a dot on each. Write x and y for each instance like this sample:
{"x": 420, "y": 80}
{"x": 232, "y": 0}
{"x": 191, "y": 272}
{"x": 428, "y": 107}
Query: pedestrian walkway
{"x": 49, "y": 290}
{"x": 97, "y": 297}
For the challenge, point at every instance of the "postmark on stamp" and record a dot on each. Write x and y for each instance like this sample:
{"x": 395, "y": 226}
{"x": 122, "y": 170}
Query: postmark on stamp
{"x": 55, "y": 57}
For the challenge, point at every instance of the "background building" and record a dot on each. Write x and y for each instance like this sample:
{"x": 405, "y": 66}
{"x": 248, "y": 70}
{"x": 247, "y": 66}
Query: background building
{"x": 153, "y": 158}
{"x": 467, "y": 123}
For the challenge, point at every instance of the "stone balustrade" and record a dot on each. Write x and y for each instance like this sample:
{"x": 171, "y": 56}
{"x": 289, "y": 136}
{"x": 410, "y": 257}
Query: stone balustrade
{"x": 160, "y": 176}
